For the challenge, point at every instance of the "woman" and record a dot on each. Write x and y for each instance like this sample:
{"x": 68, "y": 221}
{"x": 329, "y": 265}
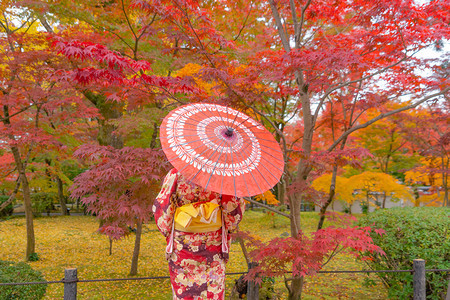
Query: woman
{"x": 196, "y": 224}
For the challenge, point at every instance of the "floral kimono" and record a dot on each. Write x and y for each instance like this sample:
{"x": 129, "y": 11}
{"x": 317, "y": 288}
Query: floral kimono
{"x": 196, "y": 224}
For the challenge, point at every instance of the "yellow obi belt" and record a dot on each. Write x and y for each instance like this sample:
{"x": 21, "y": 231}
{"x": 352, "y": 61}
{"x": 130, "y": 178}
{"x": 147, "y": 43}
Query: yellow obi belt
{"x": 198, "y": 217}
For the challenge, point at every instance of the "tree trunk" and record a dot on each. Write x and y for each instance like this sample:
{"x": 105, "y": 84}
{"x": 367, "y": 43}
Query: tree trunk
{"x": 27, "y": 203}
{"x": 244, "y": 250}
{"x": 296, "y": 285}
{"x": 106, "y": 136}
{"x": 295, "y": 293}
{"x": 110, "y": 110}
{"x": 324, "y": 207}
{"x": 303, "y": 170}
{"x": 332, "y": 193}
{"x": 137, "y": 247}
{"x": 281, "y": 190}
{"x": 62, "y": 200}
{"x": 25, "y": 190}
{"x": 294, "y": 206}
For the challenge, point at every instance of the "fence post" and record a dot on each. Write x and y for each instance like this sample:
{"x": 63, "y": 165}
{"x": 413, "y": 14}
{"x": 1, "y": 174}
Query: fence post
{"x": 252, "y": 286}
{"x": 70, "y": 284}
{"x": 447, "y": 297}
{"x": 419, "y": 282}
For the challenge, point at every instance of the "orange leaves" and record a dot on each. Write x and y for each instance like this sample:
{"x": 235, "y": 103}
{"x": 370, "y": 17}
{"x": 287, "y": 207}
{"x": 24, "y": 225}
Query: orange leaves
{"x": 214, "y": 83}
{"x": 267, "y": 197}
{"x": 193, "y": 70}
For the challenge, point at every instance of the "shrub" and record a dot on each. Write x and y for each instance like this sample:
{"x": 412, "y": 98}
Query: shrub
{"x": 411, "y": 233}
{"x": 20, "y": 272}
{"x": 43, "y": 202}
{"x": 33, "y": 257}
{"x": 8, "y": 209}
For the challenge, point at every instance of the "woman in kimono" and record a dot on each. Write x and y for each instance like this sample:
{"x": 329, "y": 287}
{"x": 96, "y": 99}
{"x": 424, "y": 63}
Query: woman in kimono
{"x": 196, "y": 223}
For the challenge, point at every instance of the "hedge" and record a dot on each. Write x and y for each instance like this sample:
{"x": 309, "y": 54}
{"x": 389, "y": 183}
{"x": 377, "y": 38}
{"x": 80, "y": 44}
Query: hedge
{"x": 411, "y": 233}
{"x": 20, "y": 272}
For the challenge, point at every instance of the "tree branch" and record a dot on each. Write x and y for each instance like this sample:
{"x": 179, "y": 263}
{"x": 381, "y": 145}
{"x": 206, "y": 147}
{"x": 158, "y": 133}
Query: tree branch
{"x": 272, "y": 124}
{"x": 128, "y": 20}
{"x": 333, "y": 254}
{"x": 45, "y": 23}
{"x": 332, "y": 89}
{"x": 296, "y": 24}
{"x": 148, "y": 25}
{"x": 267, "y": 207}
{"x": 16, "y": 113}
{"x": 245, "y": 23}
{"x": 281, "y": 32}
{"x": 384, "y": 115}
{"x": 302, "y": 20}
{"x": 13, "y": 195}
{"x": 191, "y": 26}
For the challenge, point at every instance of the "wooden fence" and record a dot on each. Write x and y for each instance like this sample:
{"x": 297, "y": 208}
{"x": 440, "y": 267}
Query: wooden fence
{"x": 71, "y": 280}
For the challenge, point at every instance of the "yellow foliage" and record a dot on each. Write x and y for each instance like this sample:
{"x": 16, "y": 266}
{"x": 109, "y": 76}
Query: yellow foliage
{"x": 33, "y": 40}
{"x": 343, "y": 189}
{"x": 367, "y": 181}
{"x": 420, "y": 175}
{"x": 73, "y": 242}
{"x": 431, "y": 200}
{"x": 268, "y": 197}
{"x": 379, "y": 182}
{"x": 417, "y": 177}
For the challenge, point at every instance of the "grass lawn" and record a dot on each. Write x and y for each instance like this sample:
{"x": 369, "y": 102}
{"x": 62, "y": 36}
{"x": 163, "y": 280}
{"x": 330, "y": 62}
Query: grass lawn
{"x": 73, "y": 242}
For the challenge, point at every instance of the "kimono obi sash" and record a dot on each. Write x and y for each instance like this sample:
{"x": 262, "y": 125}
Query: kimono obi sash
{"x": 198, "y": 217}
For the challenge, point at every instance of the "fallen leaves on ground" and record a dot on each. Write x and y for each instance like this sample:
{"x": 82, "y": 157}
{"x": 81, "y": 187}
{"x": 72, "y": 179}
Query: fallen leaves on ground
{"x": 73, "y": 242}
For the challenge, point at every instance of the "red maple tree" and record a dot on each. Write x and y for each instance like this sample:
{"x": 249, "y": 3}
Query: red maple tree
{"x": 310, "y": 60}
{"x": 34, "y": 101}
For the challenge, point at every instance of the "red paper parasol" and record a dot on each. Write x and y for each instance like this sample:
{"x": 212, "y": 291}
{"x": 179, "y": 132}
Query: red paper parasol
{"x": 221, "y": 149}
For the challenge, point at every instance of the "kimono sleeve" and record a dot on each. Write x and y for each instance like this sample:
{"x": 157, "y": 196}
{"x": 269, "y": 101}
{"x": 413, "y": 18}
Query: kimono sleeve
{"x": 163, "y": 207}
{"x": 233, "y": 210}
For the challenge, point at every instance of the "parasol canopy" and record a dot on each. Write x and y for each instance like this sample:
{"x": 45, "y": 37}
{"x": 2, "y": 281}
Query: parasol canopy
{"x": 221, "y": 149}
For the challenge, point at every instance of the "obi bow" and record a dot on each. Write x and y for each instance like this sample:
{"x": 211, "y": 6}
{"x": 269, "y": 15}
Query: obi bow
{"x": 198, "y": 217}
